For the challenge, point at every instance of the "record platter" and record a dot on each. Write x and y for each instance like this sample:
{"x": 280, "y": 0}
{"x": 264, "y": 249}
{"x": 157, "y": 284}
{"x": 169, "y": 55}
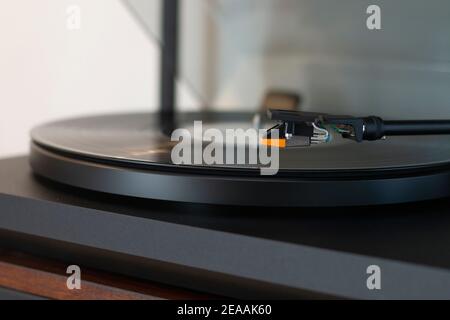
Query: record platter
{"x": 130, "y": 155}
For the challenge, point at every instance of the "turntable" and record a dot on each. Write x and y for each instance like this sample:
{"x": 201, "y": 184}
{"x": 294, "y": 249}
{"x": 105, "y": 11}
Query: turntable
{"x": 359, "y": 144}
{"x": 129, "y": 155}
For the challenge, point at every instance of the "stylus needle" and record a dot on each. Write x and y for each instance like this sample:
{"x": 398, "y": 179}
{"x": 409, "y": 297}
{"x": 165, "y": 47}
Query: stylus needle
{"x": 276, "y": 143}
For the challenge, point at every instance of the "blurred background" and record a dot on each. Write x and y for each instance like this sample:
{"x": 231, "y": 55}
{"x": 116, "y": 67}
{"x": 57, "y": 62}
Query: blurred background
{"x": 231, "y": 53}
{"x": 49, "y": 71}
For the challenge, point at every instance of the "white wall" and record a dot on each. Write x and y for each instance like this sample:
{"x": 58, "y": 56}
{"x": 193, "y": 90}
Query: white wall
{"x": 49, "y": 72}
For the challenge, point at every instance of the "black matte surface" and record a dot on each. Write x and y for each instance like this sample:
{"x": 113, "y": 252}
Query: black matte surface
{"x": 274, "y": 247}
{"x": 404, "y": 232}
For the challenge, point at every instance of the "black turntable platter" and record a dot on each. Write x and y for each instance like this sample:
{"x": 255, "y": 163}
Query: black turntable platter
{"x": 131, "y": 155}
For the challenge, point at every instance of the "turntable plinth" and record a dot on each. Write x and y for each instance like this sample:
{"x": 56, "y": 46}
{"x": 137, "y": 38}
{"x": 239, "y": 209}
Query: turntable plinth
{"x": 231, "y": 251}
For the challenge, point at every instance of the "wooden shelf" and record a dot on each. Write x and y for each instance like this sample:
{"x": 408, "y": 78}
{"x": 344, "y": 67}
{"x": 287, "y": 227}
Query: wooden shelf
{"x": 47, "y": 278}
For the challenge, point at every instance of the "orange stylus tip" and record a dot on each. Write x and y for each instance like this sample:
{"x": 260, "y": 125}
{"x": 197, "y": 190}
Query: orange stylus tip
{"x": 277, "y": 143}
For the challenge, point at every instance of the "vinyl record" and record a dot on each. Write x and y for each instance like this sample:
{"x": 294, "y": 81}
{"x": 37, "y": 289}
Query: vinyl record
{"x": 131, "y": 155}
